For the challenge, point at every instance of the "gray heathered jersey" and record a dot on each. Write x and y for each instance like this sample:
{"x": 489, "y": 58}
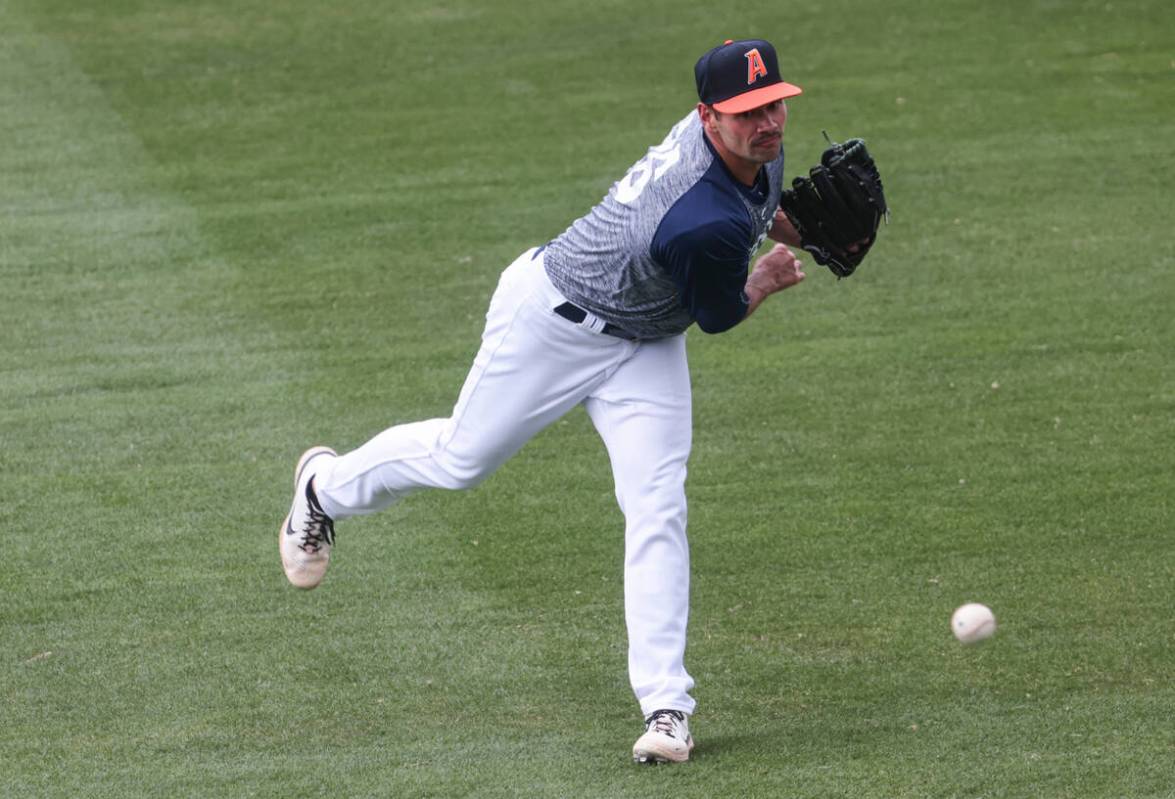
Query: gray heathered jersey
{"x": 602, "y": 262}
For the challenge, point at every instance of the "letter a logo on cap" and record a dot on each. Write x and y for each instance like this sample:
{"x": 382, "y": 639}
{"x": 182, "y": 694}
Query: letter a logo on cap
{"x": 755, "y": 66}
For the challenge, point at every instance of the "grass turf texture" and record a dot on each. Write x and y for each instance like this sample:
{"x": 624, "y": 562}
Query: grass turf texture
{"x": 232, "y": 230}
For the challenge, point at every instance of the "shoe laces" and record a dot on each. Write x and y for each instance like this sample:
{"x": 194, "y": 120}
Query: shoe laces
{"x": 320, "y": 528}
{"x": 666, "y": 722}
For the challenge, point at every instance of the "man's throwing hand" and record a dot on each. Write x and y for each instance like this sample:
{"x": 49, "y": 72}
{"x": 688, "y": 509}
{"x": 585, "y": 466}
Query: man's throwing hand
{"x": 775, "y": 270}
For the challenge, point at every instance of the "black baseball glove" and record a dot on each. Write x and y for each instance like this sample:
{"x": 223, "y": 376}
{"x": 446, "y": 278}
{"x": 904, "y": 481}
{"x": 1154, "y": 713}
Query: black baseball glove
{"x": 838, "y": 207}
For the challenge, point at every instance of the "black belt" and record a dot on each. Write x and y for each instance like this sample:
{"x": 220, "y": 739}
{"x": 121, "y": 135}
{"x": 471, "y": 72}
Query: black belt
{"x": 573, "y": 313}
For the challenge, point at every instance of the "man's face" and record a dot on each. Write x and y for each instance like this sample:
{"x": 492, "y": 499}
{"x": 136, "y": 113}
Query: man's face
{"x": 753, "y": 136}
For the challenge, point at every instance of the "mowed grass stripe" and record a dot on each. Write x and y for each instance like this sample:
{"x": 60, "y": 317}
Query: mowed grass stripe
{"x": 155, "y": 397}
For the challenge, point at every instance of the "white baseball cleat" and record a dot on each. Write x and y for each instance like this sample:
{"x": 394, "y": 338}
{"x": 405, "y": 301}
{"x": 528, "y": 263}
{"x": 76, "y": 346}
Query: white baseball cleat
{"x": 666, "y": 739}
{"x": 307, "y": 534}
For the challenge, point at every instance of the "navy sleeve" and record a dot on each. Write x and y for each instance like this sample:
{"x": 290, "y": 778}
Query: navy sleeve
{"x": 704, "y": 242}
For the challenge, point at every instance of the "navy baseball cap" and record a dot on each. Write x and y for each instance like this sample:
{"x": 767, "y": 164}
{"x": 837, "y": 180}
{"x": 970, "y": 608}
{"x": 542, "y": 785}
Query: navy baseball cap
{"x": 738, "y": 76}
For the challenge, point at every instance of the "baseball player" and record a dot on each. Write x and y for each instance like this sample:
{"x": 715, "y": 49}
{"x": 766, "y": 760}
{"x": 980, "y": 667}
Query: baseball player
{"x": 597, "y": 317}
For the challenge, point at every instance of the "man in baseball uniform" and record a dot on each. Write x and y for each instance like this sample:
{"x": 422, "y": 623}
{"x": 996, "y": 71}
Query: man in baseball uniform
{"x": 597, "y": 317}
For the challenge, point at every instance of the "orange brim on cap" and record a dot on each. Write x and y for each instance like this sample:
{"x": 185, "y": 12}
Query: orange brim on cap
{"x": 748, "y": 101}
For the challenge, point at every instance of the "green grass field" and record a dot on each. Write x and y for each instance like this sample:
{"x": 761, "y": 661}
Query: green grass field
{"x": 230, "y": 230}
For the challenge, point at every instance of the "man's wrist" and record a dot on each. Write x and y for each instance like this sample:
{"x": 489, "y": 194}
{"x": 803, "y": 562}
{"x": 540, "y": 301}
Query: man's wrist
{"x": 754, "y": 297}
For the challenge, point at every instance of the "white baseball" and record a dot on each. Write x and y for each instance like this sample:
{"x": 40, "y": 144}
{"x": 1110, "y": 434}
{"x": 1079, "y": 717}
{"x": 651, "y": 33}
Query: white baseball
{"x": 972, "y": 622}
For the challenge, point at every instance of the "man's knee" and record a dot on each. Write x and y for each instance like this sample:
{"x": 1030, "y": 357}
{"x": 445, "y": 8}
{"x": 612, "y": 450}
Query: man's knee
{"x": 462, "y": 473}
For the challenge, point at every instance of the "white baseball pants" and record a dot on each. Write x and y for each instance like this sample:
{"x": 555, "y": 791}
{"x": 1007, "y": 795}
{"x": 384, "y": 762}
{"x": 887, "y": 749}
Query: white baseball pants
{"x": 533, "y": 367}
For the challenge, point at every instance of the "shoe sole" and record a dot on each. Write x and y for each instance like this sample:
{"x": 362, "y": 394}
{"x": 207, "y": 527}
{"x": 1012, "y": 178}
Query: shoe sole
{"x": 651, "y": 757}
{"x": 309, "y": 454}
{"x": 657, "y": 760}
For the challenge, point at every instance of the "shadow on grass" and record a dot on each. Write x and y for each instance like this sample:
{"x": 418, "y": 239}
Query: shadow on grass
{"x": 720, "y": 745}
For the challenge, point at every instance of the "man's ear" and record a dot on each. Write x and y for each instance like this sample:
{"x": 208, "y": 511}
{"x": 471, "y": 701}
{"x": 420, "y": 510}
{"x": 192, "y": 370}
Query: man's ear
{"x": 706, "y": 114}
